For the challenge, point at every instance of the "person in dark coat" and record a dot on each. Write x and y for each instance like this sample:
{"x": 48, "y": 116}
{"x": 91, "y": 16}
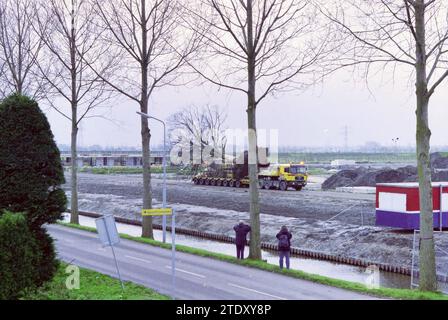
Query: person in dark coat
{"x": 284, "y": 246}
{"x": 241, "y": 231}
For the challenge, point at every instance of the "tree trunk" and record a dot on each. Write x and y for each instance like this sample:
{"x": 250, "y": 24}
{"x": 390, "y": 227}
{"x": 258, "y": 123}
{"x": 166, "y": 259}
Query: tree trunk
{"x": 74, "y": 213}
{"x": 428, "y": 280}
{"x": 147, "y": 230}
{"x": 255, "y": 245}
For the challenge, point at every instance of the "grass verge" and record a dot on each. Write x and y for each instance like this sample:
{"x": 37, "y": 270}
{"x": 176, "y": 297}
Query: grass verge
{"x": 93, "y": 286}
{"x": 406, "y": 294}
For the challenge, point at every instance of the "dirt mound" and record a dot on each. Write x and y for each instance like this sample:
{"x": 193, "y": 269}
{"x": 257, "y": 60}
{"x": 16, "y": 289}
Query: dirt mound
{"x": 344, "y": 178}
{"x": 370, "y": 177}
{"x": 440, "y": 176}
{"x": 439, "y": 161}
{"x": 361, "y": 177}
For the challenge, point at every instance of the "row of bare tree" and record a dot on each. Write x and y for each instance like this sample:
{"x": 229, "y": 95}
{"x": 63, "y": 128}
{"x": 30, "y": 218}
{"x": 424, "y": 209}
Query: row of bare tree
{"x": 200, "y": 131}
{"x": 76, "y": 54}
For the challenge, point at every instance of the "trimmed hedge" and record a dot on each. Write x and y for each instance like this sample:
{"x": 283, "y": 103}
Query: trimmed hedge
{"x": 19, "y": 254}
{"x": 31, "y": 172}
{"x": 31, "y": 175}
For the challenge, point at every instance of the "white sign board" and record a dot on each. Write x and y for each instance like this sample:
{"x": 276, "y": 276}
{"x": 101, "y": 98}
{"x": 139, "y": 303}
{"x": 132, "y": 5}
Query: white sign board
{"x": 445, "y": 202}
{"x": 395, "y": 202}
{"x": 107, "y": 230}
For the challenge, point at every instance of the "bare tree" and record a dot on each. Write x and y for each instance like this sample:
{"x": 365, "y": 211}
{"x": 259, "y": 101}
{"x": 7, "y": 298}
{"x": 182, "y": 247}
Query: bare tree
{"x": 70, "y": 38}
{"x": 257, "y": 48}
{"x": 19, "y": 50}
{"x": 155, "y": 47}
{"x": 199, "y": 127}
{"x": 409, "y": 35}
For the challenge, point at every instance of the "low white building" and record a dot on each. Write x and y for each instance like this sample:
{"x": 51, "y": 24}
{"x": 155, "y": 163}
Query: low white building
{"x": 343, "y": 163}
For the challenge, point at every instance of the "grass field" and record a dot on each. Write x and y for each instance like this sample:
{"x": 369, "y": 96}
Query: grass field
{"x": 311, "y": 158}
{"x": 406, "y": 294}
{"x": 93, "y": 286}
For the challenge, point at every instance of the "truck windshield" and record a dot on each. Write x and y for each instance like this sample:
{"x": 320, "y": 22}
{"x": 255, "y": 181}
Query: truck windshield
{"x": 298, "y": 170}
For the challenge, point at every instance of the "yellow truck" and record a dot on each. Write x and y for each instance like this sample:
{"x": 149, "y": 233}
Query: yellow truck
{"x": 275, "y": 176}
{"x": 284, "y": 176}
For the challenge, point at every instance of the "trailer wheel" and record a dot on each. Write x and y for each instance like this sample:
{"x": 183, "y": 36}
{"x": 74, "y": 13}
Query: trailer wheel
{"x": 201, "y": 182}
{"x": 207, "y": 182}
{"x": 283, "y": 186}
{"x": 238, "y": 184}
{"x": 213, "y": 182}
{"x": 225, "y": 183}
{"x": 219, "y": 183}
{"x": 231, "y": 183}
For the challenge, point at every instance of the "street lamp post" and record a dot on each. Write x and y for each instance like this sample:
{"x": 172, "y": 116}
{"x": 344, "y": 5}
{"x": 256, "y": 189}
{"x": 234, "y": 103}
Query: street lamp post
{"x": 164, "y": 169}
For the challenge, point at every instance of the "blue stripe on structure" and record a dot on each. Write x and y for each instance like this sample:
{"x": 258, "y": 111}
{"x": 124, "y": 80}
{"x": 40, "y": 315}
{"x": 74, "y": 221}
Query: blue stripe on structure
{"x": 407, "y": 221}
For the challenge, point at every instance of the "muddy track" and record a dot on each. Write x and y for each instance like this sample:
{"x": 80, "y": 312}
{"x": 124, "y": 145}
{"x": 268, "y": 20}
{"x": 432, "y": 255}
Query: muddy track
{"x": 307, "y": 204}
{"x": 307, "y": 214}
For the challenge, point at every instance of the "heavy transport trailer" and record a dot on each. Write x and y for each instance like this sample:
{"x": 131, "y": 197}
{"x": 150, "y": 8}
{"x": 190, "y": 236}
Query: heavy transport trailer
{"x": 221, "y": 182}
{"x": 277, "y": 177}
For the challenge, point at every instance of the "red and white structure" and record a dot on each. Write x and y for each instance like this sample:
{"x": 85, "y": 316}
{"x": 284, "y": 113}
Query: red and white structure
{"x": 398, "y": 205}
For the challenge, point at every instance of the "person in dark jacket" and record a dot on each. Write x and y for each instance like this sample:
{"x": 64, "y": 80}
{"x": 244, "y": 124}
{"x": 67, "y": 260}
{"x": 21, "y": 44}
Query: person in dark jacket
{"x": 241, "y": 231}
{"x": 284, "y": 246}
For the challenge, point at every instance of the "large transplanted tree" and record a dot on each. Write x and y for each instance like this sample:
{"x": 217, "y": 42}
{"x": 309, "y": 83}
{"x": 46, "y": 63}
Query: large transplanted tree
{"x": 258, "y": 48}
{"x": 409, "y": 35}
{"x": 199, "y": 128}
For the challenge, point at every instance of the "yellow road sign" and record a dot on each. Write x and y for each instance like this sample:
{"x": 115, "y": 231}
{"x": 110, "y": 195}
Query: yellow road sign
{"x": 157, "y": 212}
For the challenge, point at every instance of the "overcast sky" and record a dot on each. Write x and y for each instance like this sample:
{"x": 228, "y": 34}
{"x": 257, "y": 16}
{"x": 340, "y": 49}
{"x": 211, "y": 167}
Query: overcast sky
{"x": 314, "y": 118}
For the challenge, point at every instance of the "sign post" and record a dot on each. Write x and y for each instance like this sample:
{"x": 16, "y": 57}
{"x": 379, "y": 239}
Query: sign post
{"x": 108, "y": 234}
{"x": 167, "y": 212}
{"x": 173, "y": 252}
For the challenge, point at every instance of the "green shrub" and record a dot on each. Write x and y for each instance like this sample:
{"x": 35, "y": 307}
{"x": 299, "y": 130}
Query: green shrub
{"x": 19, "y": 255}
{"x": 48, "y": 265}
{"x": 31, "y": 172}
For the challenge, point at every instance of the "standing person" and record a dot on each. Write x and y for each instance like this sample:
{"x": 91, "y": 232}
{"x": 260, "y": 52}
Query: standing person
{"x": 284, "y": 246}
{"x": 241, "y": 231}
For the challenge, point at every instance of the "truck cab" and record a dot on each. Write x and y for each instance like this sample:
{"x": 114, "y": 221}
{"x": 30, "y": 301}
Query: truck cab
{"x": 284, "y": 176}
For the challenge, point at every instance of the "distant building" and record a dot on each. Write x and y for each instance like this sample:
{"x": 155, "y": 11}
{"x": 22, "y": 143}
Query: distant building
{"x": 343, "y": 163}
{"x": 112, "y": 159}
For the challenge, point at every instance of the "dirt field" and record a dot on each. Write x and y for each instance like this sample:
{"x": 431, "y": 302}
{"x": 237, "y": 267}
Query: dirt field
{"x": 327, "y": 221}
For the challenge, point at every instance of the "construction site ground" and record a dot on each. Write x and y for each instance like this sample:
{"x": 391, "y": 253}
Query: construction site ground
{"x": 341, "y": 223}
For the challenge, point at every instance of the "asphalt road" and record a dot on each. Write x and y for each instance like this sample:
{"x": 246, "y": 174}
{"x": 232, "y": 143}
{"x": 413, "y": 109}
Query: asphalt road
{"x": 197, "y": 278}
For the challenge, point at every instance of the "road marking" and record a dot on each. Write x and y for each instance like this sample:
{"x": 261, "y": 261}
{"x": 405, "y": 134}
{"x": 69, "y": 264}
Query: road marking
{"x": 138, "y": 259}
{"x": 187, "y": 272}
{"x": 256, "y": 291}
